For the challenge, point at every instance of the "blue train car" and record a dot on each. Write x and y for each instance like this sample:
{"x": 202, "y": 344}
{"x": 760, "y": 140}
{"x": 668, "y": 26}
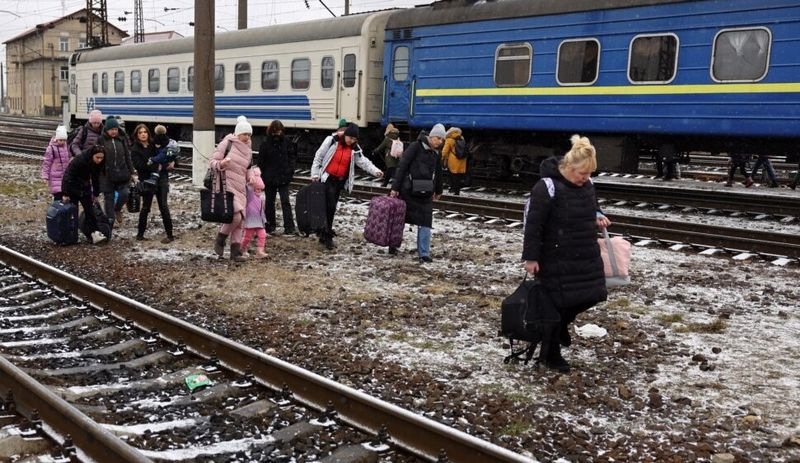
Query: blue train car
{"x": 520, "y": 76}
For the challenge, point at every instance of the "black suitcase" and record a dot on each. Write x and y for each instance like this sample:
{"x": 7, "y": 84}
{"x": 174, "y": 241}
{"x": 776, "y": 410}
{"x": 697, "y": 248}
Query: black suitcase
{"x": 310, "y": 208}
{"x": 103, "y": 225}
{"x": 62, "y": 223}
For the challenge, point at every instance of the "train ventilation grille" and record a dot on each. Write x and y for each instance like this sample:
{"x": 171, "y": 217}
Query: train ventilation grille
{"x": 404, "y": 34}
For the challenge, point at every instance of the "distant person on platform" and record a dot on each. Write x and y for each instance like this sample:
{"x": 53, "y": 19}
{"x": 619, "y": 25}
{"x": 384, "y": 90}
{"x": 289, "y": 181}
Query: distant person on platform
{"x": 334, "y": 165}
{"x": 457, "y": 166}
{"x": 421, "y": 163}
{"x": 390, "y": 158}
{"x": 277, "y": 157}
{"x": 54, "y": 164}
{"x": 739, "y": 161}
{"x": 88, "y": 134}
{"x": 763, "y": 160}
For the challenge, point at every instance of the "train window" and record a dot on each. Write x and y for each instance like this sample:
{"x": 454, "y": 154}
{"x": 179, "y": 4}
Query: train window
{"x": 513, "y": 64}
{"x": 104, "y": 82}
{"x": 95, "y": 83}
{"x": 153, "y": 80}
{"x": 269, "y": 75}
{"x": 119, "y": 82}
{"x": 241, "y": 76}
{"x": 740, "y": 55}
{"x": 173, "y": 79}
{"x": 327, "y": 72}
{"x": 301, "y": 73}
{"x": 653, "y": 59}
{"x": 219, "y": 77}
{"x": 190, "y": 79}
{"x": 400, "y": 64}
{"x": 349, "y": 70}
{"x": 578, "y": 62}
{"x": 136, "y": 81}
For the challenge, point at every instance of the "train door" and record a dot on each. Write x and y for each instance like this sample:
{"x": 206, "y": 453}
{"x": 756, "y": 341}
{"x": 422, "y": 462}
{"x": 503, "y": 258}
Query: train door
{"x": 400, "y": 83}
{"x": 349, "y": 85}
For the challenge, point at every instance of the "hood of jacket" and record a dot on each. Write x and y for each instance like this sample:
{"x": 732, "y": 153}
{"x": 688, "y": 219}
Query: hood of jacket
{"x": 453, "y": 132}
{"x": 549, "y": 167}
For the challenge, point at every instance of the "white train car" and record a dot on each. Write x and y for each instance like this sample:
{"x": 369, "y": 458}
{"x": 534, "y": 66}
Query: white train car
{"x": 308, "y": 75}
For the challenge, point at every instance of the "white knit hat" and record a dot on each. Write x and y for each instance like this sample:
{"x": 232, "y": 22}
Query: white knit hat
{"x": 242, "y": 126}
{"x": 437, "y": 131}
{"x": 61, "y": 133}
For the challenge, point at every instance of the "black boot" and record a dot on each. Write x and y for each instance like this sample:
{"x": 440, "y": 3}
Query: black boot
{"x": 793, "y": 185}
{"x": 554, "y": 360}
{"x": 563, "y": 336}
{"x": 236, "y": 253}
{"x": 219, "y": 244}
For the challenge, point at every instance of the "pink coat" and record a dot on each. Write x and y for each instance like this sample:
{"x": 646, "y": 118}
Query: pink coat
{"x": 56, "y": 159}
{"x": 240, "y": 157}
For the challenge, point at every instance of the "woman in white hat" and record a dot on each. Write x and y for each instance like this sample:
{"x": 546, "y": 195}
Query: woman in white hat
{"x": 56, "y": 158}
{"x": 234, "y": 162}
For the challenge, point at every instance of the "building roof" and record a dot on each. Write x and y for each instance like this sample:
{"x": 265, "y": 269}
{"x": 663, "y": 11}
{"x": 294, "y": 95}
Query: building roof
{"x": 51, "y": 24}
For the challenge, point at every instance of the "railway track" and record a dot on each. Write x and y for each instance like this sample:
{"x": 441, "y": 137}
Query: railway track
{"x": 116, "y": 375}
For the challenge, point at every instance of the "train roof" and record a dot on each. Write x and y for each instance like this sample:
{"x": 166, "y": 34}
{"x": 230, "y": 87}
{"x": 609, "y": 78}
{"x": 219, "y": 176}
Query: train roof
{"x": 461, "y": 11}
{"x": 320, "y": 29}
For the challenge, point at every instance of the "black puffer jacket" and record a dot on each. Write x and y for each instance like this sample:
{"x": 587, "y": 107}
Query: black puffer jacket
{"x": 81, "y": 175}
{"x": 561, "y": 234}
{"x": 419, "y": 161}
{"x": 276, "y": 158}
{"x": 119, "y": 167}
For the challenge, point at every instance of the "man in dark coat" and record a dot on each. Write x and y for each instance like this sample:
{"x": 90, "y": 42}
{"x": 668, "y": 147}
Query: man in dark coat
{"x": 420, "y": 164}
{"x": 560, "y": 245}
{"x": 276, "y": 158}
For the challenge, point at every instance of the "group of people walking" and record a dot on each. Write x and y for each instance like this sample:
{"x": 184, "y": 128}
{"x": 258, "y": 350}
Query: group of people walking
{"x": 101, "y": 159}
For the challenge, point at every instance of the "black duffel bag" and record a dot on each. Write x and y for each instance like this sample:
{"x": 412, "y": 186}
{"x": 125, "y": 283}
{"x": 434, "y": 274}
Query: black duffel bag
{"x": 529, "y": 315}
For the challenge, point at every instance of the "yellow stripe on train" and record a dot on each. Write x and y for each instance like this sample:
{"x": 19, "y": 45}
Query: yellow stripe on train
{"x": 613, "y": 90}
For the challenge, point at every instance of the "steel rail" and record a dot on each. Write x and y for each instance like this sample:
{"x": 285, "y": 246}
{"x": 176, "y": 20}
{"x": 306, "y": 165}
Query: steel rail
{"x": 419, "y": 435}
{"x": 88, "y": 436}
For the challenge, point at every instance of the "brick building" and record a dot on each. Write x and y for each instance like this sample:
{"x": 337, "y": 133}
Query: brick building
{"x": 37, "y": 62}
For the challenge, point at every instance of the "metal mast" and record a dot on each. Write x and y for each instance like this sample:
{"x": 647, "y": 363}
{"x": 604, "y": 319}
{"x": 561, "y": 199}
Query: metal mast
{"x": 96, "y": 23}
{"x": 138, "y": 22}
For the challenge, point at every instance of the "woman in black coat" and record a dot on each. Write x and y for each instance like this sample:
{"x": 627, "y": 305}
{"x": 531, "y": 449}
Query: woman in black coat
{"x": 560, "y": 245}
{"x": 276, "y": 159}
{"x": 81, "y": 184}
{"x": 153, "y": 177}
{"x": 420, "y": 161}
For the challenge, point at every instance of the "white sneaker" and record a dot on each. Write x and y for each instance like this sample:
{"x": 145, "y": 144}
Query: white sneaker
{"x": 98, "y": 237}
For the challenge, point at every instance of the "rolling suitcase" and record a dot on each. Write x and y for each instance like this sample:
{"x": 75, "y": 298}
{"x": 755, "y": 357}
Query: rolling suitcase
{"x": 310, "y": 208}
{"x": 385, "y": 221}
{"x": 62, "y": 223}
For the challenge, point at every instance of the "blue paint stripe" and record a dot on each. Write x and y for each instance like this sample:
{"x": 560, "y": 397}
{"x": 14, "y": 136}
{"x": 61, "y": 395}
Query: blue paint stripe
{"x": 288, "y": 114}
{"x": 245, "y": 100}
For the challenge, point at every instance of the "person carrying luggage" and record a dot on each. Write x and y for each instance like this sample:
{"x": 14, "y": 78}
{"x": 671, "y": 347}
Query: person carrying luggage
{"x": 81, "y": 185}
{"x": 334, "y": 165}
{"x": 389, "y": 150}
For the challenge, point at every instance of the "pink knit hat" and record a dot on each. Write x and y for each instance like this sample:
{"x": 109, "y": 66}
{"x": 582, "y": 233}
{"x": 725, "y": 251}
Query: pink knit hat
{"x": 95, "y": 117}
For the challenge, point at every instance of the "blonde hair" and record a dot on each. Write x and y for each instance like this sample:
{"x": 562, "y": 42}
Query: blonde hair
{"x": 582, "y": 154}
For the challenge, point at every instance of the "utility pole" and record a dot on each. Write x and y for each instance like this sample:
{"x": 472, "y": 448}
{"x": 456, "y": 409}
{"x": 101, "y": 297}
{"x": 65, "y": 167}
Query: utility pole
{"x": 203, "y": 121}
{"x": 346, "y": 7}
{"x": 242, "y": 14}
{"x": 138, "y": 22}
{"x": 96, "y": 23}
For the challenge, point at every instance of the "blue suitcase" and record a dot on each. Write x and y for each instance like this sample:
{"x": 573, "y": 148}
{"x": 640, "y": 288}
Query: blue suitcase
{"x": 62, "y": 223}
{"x": 310, "y": 208}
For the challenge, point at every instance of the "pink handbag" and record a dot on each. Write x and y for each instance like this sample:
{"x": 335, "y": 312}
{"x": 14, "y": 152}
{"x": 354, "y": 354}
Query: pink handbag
{"x": 616, "y": 254}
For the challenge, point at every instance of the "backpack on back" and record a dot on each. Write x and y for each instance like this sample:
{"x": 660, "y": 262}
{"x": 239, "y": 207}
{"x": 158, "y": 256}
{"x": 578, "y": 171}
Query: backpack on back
{"x": 396, "y": 151}
{"x": 461, "y": 148}
{"x": 76, "y": 132}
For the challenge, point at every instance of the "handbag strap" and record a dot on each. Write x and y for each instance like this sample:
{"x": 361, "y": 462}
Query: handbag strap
{"x": 610, "y": 249}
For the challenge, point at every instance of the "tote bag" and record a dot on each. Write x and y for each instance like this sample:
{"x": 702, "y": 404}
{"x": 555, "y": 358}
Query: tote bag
{"x": 616, "y": 254}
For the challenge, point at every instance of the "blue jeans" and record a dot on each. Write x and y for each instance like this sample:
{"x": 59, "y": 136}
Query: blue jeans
{"x": 767, "y": 166}
{"x": 424, "y": 241}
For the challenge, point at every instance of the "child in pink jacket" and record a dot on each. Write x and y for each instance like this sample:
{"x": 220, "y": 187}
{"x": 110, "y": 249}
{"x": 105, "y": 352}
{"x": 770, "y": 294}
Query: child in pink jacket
{"x": 56, "y": 159}
{"x": 254, "y": 217}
